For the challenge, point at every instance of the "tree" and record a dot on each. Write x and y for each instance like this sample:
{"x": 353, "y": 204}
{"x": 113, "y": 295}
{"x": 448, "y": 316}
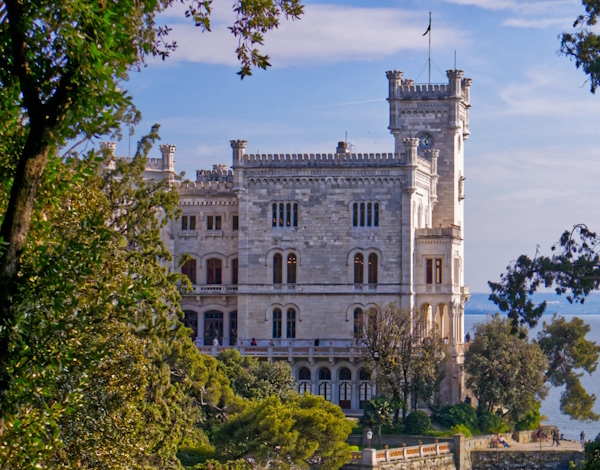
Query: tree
{"x": 254, "y": 379}
{"x": 592, "y": 455}
{"x": 378, "y": 412}
{"x": 584, "y": 45}
{"x": 283, "y": 434}
{"x": 103, "y": 373}
{"x": 504, "y": 372}
{"x": 573, "y": 268}
{"x": 407, "y": 354}
{"x": 568, "y": 352}
{"x": 62, "y": 68}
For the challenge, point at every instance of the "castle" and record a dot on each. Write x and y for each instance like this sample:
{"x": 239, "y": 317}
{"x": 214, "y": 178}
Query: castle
{"x": 288, "y": 251}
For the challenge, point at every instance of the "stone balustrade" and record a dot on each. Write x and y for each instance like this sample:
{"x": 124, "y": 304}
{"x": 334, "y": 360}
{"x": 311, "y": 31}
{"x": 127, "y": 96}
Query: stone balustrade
{"x": 374, "y": 458}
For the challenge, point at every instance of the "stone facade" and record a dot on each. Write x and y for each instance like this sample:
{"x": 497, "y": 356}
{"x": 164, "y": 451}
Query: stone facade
{"x": 288, "y": 250}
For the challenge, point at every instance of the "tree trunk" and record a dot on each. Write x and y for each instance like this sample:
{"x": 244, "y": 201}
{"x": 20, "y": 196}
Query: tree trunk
{"x": 379, "y": 434}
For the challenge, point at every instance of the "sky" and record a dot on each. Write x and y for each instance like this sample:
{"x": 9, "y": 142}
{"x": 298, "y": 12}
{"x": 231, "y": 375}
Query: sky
{"x": 532, "y": 161}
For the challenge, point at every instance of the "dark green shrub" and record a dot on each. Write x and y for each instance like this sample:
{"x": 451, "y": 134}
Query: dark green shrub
{"x": 490, "y": 423}
{"x": 531, "y": 420}
{"x": 451, "y": 415}
{"x": 417, "y": 423}
{"x": 461, "y": 429}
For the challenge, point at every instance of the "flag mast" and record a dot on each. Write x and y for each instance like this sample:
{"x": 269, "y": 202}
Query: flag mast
{"x": 430, "y": 48}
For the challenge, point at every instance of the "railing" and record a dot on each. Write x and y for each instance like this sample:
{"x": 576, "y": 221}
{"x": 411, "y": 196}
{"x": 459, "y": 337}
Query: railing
{"x": 374, "y": 457}
{"x": 218, "y": 290}
{"x": 287, "y": 351}
{"x": 453, "y": 231}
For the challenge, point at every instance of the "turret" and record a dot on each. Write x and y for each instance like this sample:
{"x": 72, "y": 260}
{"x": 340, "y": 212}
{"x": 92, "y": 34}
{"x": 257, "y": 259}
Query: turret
{"x": 110, "y": 146}
{"x": 239, "y": 149}
{"x": 168, "y": 152}
{"x": 342, "y": 147}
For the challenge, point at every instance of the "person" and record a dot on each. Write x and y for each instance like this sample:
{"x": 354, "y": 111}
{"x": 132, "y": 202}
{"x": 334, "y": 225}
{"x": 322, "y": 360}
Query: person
{"x": 215, "y": 341}
{"x": 557, "y": 438}
{"x": 502, "y": 441}
{"x": 553, "y": 434}
{"x": 317, "y": 342}
{"x": 468, "y": 400}
{"x": 582, "y": 438}
{"x": 562, "y": 436}
{"x": 271, "y": 343}
{"x": 253, "y": 343}
{"x": 468, "y": 338}
{"x": 446, "y": 340}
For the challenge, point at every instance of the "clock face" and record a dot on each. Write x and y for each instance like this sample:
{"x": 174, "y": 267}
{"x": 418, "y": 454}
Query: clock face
{"x": 425, "y": 141}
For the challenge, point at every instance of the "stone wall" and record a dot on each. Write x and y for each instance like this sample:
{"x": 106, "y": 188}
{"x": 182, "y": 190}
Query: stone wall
{"x": 442, "y": 462}
{"x": 559, "y": 460}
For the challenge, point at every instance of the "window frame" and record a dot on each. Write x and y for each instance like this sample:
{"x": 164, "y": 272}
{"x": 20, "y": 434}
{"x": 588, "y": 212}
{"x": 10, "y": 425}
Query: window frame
{"x": 359, "y": 268}
{"x": 190, "y": 267}
{"x": 373, "y": 261}
{"x": 292, "y": 268}
{"x": 214, "y": 272}
{"x": 290, "y": 330}
{"x": 277, "y": 320}
{"x": 277, "y": 268}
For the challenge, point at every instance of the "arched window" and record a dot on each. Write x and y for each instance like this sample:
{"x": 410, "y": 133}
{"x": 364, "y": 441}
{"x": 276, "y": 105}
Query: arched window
{"x": 364, "y": 374}
{"x": 281, "y": 206}
{"x": 213, "y": 327}
{"x": 189, "y": 269}
{"x": 304, "y": 373}
{"x": 345, "y": 395}
{"x": 304, "y": 387}
{"x": 213, "y": 271}
{"x": 324, "y": 374}
{"x": 325, "y": 390}
{"x": 295, "y": 214}
{"x": 274, "y": 214}
{"x": 365, "y": 393}
{"x": 190, "y": 320}
{"x": 358, "y": 322}
{"x": 288, "y": 215}
{"x": 359, "y": 262}
{"x": 362, "y": 214}
{"x": 291, "y": 269}
{"x": 376, "y": 215}
{"x": 369, "y": 214}
{"x": 345, "y": 374}
{"x": 291, "y": 323}
{"x": 276, "y": 323}
{"x": 234, "y": 271}
{"x": 355, "y": 214}
{"x": 277, "y": 268}
{"x": 372, "y": 268}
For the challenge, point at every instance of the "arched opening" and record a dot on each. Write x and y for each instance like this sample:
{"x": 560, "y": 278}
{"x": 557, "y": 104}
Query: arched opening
{"x": 442, "y": 321}
{"x": 291, "y": 269}
{"x": 276, "y": 323}
{"x": 372, "y": 268}
{"x": 213, "y": 327}
{"x": 345, "y": 393}
{"x": 190, "y": 320}
{"x": 304, "y": 373}
{"x": 345, "y": 374}
{"x": 358, "y": 322}
{"x": 277, "y": 268}
{"x": 359, "y": 263}
{"x": 189, "y": 269}
{"x": 291, "y": 323}
{"x": 325, "y": 384}
{"x": 213, "y": 271}
{"x": 324, "y": 374}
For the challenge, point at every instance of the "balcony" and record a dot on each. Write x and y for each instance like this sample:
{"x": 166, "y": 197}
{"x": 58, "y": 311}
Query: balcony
{"x": 453, "y": 231}
{"x": 212, "y": 290}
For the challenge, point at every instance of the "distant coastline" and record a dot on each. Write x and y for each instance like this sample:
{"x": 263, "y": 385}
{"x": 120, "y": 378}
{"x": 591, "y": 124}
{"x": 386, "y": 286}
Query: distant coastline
{"x": 480, "y": 305}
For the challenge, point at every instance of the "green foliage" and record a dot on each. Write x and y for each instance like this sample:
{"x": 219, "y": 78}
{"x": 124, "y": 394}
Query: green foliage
{"x": 377, "y": 412}
{"x": 461, "y": 429}
{"x": 303, "y": 428}
{"x": 216, "y": 465}
{"x": 251, "y": 378}
{"x": 592, "y": 455}
{"x": 491, "y": 423}
{"x": 451, "y": 415}
{"x": 568, "y": 353}
{"x": 531, "y": 420}
{"x": 417, "y": 422}
{"x": 504, "y": 371}
{"x": 583, "y": 45}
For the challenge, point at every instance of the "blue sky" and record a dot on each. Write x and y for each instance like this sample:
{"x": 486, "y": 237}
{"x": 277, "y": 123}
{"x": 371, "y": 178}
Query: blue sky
{"x": 533, "y": 157}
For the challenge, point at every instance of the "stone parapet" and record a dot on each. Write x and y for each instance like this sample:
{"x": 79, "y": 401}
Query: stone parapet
{"x": 322, "y": 159}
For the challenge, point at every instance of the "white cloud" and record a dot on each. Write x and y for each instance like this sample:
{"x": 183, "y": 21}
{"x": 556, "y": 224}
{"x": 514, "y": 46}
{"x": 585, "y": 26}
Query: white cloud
{"x": 325, "y": 34}
{"x": 523, "y": 7}
{"x": 538, "y": 23}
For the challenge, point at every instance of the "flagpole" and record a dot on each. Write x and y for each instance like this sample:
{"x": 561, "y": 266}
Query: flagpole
{"x": 430, "y": 48}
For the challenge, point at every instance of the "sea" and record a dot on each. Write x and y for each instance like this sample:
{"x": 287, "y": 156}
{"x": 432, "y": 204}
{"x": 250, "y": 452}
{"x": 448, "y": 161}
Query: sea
{"x": 479, "y": 307}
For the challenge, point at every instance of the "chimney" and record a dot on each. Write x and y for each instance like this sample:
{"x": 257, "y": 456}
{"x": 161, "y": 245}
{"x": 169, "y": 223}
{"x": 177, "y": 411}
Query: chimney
{"x": 342, "y": 147}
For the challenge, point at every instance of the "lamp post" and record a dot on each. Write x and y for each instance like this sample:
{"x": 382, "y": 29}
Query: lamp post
{"x": 369, "y": 437}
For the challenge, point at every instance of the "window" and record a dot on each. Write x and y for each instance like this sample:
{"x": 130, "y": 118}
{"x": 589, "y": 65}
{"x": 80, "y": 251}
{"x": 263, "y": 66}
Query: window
{"x": 188, "y": 222}
{"x": 189, "y": 269}
{"x": 358, "y": 268}
{"x": 213, "y": 271}
{"x": 234, "y": 271}
{"x": 213, "y": 222}
{"x": 190, "y": 320}
{"x": 365, "y": 214}
{"x": 429, "y": 276}
{"x": 324, "y": 374}
{"x": 325, "y": 390}
{"x": 365, "y": 393}
{"x": 291, "y": 269}
{"x": 372, "y": 268}
{"x": 276, "y": 323}
{"x": 291, "y": 323}
{"x": 304, "y": 373}
{"x": 284, "y": 214}
{"x": 233, "y": 327}
{"x": 355, "y": 214}
{"x": 362, "y": 214}
{"x": 235, "y": 223}
{"x": 277, "y": 268}
{"x": 345, "y": 374}
{"x": 376, "y": 215}
{"x": 358, "y": 322}
{"x": 369, "y": 214}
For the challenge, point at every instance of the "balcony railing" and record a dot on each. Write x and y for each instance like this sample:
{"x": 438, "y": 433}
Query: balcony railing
{"x": 453, "y": 231}
{"x": 214, "y": 290}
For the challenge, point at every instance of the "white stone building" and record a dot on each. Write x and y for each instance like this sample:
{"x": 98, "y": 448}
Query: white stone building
{"x": 289, "y": 250}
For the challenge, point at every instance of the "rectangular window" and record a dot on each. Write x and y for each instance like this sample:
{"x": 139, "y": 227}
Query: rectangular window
{"x": 277, "y": 323}
{"x": 369, "y": 214}
{"x": 213, "y": 222}
{"x": 281, "y": 211}
{"x": 288, "y": 215}
{"x": 192, "y": 222}
{"x": 234, "y": 271}
{"x": 376, "y": 216}
{"x": 438, "y": 270}
{"x": 236, "y": 222}
{"x": 184, "y": 223}
{"x": 429, "y": 279}
{"x": 274, "y": 214}
{"x": 362, "y": 214}
{"x": 295, "y": 214}
{"x": 291, "y": 324}
{"x": 355, "y": 214}
{"x": 188, "y": 222}
{"x": 189, "y": 269}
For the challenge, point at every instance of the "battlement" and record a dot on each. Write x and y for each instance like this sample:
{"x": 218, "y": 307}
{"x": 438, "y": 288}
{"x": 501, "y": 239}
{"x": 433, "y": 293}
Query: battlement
{"x": 401, "y": 88}
{"x": 321, "y": 159}
{"x": 219, "y": 173}
{"x": 205, "y": 186}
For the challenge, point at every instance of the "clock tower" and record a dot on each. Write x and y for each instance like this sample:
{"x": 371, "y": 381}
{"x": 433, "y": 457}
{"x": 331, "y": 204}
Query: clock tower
{"x": 438, "y": 116}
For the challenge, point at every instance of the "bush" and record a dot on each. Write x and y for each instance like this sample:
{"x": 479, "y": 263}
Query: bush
{"x": 490, "y": 423}
{"x": 354, "y": 448}
{"x": 417, "y": 423}
{"x": 451, "y": 415}
{"x": 531, "y": 420}
{"x": 461, "y": 429}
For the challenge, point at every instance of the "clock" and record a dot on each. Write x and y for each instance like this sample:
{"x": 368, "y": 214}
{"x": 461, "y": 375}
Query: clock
{"x": 425, "y": 141}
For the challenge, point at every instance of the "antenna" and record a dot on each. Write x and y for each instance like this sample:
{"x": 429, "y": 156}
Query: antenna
{"x": 454, "y": 59}
{"x": 346, "y": 137}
